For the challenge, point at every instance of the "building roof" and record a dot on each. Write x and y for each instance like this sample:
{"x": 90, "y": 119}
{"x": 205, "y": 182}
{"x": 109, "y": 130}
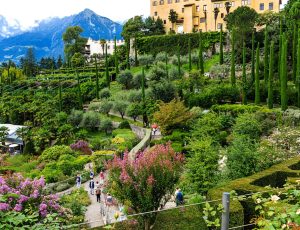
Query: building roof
{"x": 12, "y": 136}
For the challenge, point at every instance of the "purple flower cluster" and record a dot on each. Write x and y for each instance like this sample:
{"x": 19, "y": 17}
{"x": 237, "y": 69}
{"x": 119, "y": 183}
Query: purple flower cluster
{"x": 81, "y": 146}
{"x": 21, "y": 194}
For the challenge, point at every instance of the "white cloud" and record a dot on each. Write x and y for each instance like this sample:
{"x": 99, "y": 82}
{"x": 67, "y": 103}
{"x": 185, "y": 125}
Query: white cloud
{"x": 28, "y": 11}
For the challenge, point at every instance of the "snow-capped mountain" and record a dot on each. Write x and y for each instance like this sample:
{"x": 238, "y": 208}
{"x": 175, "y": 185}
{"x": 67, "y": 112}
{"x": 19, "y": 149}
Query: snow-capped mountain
{"x": 8, "y": 29}
{"x": 46, "y": 38}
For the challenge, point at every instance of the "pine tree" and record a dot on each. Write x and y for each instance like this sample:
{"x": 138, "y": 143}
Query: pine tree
{"x": 97, "y": 78}
{"x": 190, "y": 55}
{"x": 232, "y": 69}
{"x": 253, "y": 59}
{"x": 221, "y": 56}
{"x": 298, "y": 68}
{"x": 201, "y": 61}
{"x": 294, "y": 53}
{"x": 106, "y": 68}
{"x": 244, "y": 78}
{"x": 257, "y": 83}
{"x": 266, "y": 58}
{"x": 116, "y": 57}
{"x": 270, "y": 79}
{"x": 283, "y": 74}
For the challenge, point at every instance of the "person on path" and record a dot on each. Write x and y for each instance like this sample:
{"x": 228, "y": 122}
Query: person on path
{"x": 92, "y": 186}
{"x": 91, "y": 174}
{"x": 109, "y": 200}
{"x": 98, "y": 192}
{"x": 179, "y": 198}
{"x": 78, "y": 180}
{"x": 101, "y": 178}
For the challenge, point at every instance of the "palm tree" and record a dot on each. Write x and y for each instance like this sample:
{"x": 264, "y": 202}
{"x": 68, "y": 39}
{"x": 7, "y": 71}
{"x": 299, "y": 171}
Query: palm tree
{"x": 227, "y": 7}
{"x": 102, "y": 43}
{"x": 216, "y": 13}
{"x": 173, "y": 16}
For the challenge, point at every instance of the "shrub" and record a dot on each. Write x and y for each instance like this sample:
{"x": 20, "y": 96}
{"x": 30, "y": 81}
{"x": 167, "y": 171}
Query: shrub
{"x": 145, "y": 60}
{"x": 81, "y": 146}
{"x": 75, "y": 117}
{"x": 125, "y": 78}
{"x": 53, "y": 153}
{"x": 247, "y": 124}
{"x": 106, "y": 126}
{"x": 124, "y": 125}
{"x": 90, "y": 120}
{"x": 155, "y": 74}
{"x": 104, "y": 93}
{"x": 161, "y": 57}
{"x": 105, "y": 106}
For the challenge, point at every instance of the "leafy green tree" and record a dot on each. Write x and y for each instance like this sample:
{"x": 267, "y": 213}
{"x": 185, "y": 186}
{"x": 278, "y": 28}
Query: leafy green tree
{"x": 134, "y": 27}
{"x": 244, "y": 78}
{"x": 134, "y": 110}
{"x": 190, "y": 55}
{"x": 253, "y": 57}
{"x": 266, "y": 58}
{"x": 29, "y": 64}
{"x": 120, "y": 107}
{"x": 298, "y": 68}
{"x": 145, "y": 60}
{"x": 74, "y": 43}
{"x": 90, "y": 120}
{"x": 105, "y": 107}
{"x": 3, "y": 134}
{"x": 154, "y": 26}
{"x": 202, "y": 166}
{"x": 116, "y": 56}
{"x": 125, "y": 78}
{"x": 77, "y": 60}
{"x": 106, "y": 125}
{"x": 163, "y": 90}
{"x": 172, "y": 115}
{"x": 271, "y": 77}
{"x": 107, "y": 77}
{"x": 75, "y": 117}
{"x": 257, "y": 77}
{"x": 173, "y": 16}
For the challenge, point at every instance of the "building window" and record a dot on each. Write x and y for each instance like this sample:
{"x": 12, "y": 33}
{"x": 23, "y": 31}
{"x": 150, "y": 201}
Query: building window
{"x": 218, "y": 5}
{"x": 197, "y": 8}
{"x": 204, "y": 7}
{"x": 155, "y": 13}
{"x": 177, "y": 1}
{"x": 271, "y": 6}
{"x": 170, "y": 1}
{"x": 232, "y": 4}
{"x": 261, "y": 6}
{"x": 154, "y": 3}
{"x": 222, "y": 15}
{"x": 161, "y": 2}
{"x": 182, "y": 10}
{"x": 202, "y": 20}
{"x": 165, "y": 22}
{"x": 219, "y": 26}
{"x": 245, "y": 2}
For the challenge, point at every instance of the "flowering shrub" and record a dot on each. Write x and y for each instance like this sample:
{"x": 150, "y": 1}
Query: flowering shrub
{"x": 81, "y": 146}
{"x": 24, "y": 195}
{"x": 144, "y": 181}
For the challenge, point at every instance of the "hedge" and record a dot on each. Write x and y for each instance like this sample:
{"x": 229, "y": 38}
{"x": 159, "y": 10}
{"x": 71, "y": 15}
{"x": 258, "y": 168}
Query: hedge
{"x": 276, "y": 176}
{"x": 236, "y": 109}
{"x": 168, "y": 43}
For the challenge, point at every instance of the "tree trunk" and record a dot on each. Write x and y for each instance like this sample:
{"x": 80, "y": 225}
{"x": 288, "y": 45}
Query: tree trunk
{"x": 147, "y": 224}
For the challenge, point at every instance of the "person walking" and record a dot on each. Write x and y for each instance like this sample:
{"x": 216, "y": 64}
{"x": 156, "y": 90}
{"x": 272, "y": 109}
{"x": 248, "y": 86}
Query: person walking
{"x": 92, "y": 186}
{"x": 101, "y": 178}
{"x": 91, "y": 174}
{"x": 179, "y": 198}
{"x": 78, "y": 180}
{"x": 98, "y": 192}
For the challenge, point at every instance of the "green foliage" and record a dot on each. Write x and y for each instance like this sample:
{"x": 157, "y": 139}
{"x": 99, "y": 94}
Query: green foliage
{"x": 54, "y": 153}
{"x": 257, "y": 77}
{"x": 125, "y": 78}
{"x": 247, "y": 125}
{"x": 104, "y": 93}
{"x": 146, "y": 60}
{"x": 124, "y": 125}
{"x": 75, "y": 117}
{"x": 77, "y": 60}
{"x": 156, "y": 44}
{"x": 271, "y": 77}
{"x": 90, "y": 120}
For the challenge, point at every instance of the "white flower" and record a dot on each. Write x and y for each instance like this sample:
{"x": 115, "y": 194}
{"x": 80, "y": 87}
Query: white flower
{"x": 275, "y": 198}
{"x": 283, "y": 226}
{"x": 298, "y": 212}
{"x": 258, "y": 200}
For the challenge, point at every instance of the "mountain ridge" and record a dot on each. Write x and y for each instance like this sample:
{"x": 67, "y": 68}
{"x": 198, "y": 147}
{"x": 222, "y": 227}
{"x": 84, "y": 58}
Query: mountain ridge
{"x": 46, "y": 37}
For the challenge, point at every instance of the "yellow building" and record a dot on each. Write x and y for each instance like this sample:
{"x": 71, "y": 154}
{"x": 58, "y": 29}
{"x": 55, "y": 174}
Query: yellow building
{"x": 199, "y": 14}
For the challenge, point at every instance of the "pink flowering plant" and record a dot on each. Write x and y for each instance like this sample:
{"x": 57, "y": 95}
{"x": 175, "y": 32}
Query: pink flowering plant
{"x": 81, "y": 146}
{"x": 18, "y": 194}
{"x": 146, "y": 180}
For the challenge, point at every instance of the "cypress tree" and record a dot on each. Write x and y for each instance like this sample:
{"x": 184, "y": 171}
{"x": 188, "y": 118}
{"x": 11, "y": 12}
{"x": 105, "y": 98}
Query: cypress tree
{"x": 190, "y": 55}
{"x": 145, "y": 118}
{"x": 266, "y": 58}
{"x": 60, "y": 96}
{"x": 106, "y": 68}
{"x": 127, "y": 53}
{"x": 280, "y": 49}
{"x": 221, "y": 55}
{"x": 97, "y": 78}
{"x": 270, "y": 79}
{"x": 201, "y": 61}
{"x": 257, "y": 83}
{"x": 244, "y": 78}
{"x": 79, "y": 90}
{"x": 232, "y": 69}
{"x": 135, "y": 52}
{"x": 294, "y": 53}
{"x": 283, "y": 74}
{"x": 116, "y": 57}
{"x": 178, "y": 57}
{"x": 253, "y": 59}
{"x": 298, "y": 68}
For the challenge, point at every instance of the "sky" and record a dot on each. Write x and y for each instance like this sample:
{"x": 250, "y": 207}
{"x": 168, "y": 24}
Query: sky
{"x": 29, "y": 11}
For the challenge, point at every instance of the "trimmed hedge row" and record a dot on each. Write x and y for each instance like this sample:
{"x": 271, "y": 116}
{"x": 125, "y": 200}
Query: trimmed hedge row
{"x": 276, "y": 176}
{"x": 168, "y": 43}
{"x": 236, "y": 109}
